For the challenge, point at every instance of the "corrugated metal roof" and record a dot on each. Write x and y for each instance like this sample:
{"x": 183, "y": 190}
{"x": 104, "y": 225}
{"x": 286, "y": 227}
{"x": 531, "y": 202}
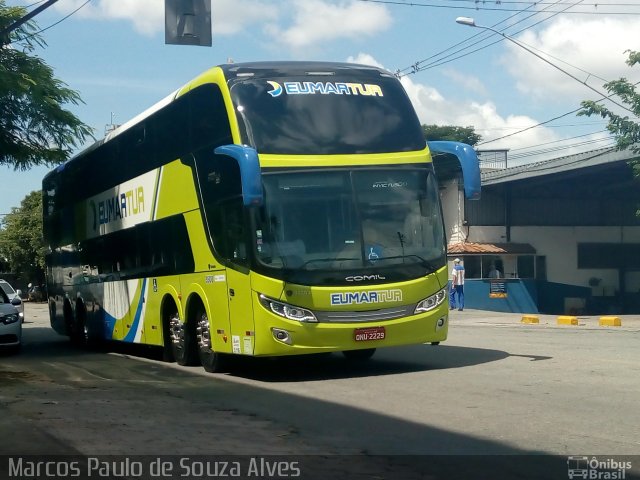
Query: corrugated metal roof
{"x": 557, "y": 165}
{"x": 469, "y": 248}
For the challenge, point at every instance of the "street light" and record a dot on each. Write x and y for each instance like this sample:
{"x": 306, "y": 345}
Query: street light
{"x": 470, "y": 22}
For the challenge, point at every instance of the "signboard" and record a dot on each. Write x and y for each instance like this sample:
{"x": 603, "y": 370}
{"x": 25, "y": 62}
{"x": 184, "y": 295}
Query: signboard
{"x": 497, "y": 288}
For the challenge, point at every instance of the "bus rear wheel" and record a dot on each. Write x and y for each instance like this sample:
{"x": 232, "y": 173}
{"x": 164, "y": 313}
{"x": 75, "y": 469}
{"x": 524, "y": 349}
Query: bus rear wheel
{"x": 210, "y": 360}
{"x": 365, "y": 354}
{"x": 183, "y": 344}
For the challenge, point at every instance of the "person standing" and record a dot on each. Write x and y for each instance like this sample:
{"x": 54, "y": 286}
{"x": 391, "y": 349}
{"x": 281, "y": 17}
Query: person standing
{"x": 494, "y": 272}
{"x": 457, "y": 285}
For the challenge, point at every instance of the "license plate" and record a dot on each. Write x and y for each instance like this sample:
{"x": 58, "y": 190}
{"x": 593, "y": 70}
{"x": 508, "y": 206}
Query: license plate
{"x": 369, "y": 334}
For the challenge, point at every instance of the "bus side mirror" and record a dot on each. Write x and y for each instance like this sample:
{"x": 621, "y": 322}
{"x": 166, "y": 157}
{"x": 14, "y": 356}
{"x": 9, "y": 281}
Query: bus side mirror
{"x": 250, "y": 175}
{"x": 468, "y": 161}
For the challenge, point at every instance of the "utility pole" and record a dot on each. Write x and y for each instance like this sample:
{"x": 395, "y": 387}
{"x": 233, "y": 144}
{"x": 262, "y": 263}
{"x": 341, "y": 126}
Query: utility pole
{"x": 4, "y": 34}
{"x": 110, "y": 127}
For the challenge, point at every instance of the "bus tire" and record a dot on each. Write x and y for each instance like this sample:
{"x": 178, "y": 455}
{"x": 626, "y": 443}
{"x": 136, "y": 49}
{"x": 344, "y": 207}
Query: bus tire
{"x": 68, "y": 320}
{"x": 83, "y": 335}
{"x": 52, "y": 312}
{"x": 183, "y": 340}
{"x": 359, "y": 355}
{"x": 80, "y": 336}
{"x": 211, "y": 361}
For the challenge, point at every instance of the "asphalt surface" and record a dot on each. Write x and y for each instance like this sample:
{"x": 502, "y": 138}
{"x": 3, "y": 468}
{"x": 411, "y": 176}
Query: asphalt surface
{"x": 467, "y": 316}
{"x": 59, "y": 401}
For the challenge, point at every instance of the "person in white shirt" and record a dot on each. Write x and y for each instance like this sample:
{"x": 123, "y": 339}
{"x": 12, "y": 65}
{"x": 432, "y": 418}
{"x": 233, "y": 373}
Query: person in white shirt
{"x": 494, "y": 272}
{"x": 457, "y": 285}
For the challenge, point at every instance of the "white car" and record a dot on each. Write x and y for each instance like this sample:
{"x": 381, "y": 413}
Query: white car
{"x": 10, "y": 322}
{"x": 11, "y": 293}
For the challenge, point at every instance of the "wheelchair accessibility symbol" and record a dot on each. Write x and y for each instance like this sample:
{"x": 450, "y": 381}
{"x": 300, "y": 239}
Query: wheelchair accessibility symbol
{"x": 375, "y": 252}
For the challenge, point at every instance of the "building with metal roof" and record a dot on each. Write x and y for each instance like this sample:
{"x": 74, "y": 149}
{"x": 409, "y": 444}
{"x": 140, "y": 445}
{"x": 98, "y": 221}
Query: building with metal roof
{"x": 564, "y": 235}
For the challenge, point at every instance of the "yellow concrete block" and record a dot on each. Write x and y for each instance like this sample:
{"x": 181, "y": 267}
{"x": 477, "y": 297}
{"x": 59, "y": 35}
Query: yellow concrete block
{"x": 567, "y": 320}
{"x": 610, "y": 322}
{"x": 530, "y": 319}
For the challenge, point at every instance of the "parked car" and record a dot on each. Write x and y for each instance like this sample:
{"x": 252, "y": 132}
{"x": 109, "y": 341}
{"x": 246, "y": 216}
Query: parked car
{"x": 10, "y": 323}
{"x": 12, "y": 293}
{"x": 35, "y": 293}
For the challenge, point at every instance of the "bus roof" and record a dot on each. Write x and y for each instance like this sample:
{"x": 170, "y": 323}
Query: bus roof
{"x": 235, "y": 72}
{"x": 270, "y": 69}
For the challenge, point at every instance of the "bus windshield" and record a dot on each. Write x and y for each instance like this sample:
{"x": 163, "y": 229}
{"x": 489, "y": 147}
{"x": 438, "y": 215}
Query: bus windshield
{"x": 325, "y": 226}
{"x": 326, "y": 115}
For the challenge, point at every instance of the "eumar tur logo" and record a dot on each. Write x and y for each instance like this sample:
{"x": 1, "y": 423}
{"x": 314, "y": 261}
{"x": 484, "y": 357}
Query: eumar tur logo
{"x": 597, "y": 468}
{"x": 324, "y": 88}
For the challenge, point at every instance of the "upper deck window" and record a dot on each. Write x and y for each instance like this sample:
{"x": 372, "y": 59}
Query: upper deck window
{"x": 326, "y": 114}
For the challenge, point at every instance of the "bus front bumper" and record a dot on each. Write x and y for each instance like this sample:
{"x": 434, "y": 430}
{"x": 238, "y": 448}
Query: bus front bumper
{"x": 280, "y": 336}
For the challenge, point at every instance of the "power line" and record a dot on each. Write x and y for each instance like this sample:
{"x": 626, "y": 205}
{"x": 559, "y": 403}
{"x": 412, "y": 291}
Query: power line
{"x": 416, "y": 67}
{"x": 22, "y": 39}
{"x": 560, "y": 125}
{"x": 540, "y": 124}
{"x": 5, "y": 33}
{"x": 477, "y": 7}
{"x": 558, "y": 141}
{"x": 531, "y": 127}
{"x": 502, "y": 2}
{"x": 34, "y": 4}
{"x": 471, "y": 22}
{"x": 560, "y": 147}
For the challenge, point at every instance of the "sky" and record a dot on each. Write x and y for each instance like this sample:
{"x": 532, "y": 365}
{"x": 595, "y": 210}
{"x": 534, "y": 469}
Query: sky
{"x": 112, "y": 52}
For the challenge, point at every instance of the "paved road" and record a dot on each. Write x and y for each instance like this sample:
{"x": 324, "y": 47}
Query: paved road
{"x": 495, "y": 388}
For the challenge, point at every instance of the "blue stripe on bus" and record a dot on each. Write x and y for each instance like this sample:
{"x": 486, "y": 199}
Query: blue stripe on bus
{"x": 109, "y": 325}
{"x": 131, "y": 336}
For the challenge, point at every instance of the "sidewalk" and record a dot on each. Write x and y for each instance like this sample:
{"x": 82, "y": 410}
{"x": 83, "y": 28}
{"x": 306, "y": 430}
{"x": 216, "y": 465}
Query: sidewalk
{"x": 486, "y": 317}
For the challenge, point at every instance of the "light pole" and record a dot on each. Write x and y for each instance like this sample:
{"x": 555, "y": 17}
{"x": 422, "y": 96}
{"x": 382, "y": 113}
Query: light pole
{"x": 470, "y": 22}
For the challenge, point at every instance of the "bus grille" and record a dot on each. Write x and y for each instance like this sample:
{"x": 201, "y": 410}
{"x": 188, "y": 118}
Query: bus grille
{"x": 365, "y": 316}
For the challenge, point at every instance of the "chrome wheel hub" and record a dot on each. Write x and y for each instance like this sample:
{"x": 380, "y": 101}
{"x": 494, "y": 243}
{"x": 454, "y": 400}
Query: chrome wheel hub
{"x": 175, "y": 330}
{"x": 203, "y": 333}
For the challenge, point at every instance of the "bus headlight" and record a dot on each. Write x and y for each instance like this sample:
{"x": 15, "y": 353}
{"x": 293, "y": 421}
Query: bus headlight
{"x": 431, "y": 302}
{"x": 287, "y": 311}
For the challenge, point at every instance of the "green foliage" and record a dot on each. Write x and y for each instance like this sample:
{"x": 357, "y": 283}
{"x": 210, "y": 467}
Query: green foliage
{"x": 21, "y": 242}
{"x": 455, "y": 134}
{"x": 625, "y": 130}
{"x": 35, "y": 129}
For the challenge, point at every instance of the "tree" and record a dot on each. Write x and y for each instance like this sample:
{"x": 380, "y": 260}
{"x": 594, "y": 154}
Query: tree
{"x": 625, "y": 130}
{"x": 35, "y": 129}
{"x": 21, "y": 239}
{"x": 456, "y": 134}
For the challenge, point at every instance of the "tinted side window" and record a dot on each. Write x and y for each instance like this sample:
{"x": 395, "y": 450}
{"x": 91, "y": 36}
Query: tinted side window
{"x": 197, "y": 119}
{"x": 221, "y": 190}
{"x": 150, "y": 249}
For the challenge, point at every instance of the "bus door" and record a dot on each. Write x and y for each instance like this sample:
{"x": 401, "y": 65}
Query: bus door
{"x": 227, "y": 219}
{"x": 240, "y": 312}
{"x": 235, "y": 248}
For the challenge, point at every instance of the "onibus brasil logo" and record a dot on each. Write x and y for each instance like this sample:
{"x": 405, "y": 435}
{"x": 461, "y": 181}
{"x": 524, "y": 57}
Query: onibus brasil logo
{"x": 597, "y": 468}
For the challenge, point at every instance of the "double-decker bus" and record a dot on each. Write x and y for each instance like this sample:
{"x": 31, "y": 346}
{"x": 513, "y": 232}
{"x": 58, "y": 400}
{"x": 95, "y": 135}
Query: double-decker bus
{"x": 262, "y": 209}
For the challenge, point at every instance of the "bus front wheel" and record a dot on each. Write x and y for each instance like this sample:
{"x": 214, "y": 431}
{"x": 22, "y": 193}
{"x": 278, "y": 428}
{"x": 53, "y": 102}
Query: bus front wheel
{"x": 210, "y": 360}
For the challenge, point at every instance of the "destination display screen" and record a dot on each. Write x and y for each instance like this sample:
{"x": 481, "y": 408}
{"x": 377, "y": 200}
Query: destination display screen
{"x": 326, "y": 114}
